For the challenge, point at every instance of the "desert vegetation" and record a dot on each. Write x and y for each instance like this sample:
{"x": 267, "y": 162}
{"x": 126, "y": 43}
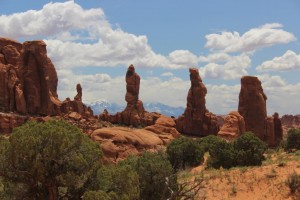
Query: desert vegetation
{"x": 55, "y": 160}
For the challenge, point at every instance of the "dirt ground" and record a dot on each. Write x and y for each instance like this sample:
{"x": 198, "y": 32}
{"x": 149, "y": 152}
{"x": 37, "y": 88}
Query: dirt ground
{"x": 268, "y": 181}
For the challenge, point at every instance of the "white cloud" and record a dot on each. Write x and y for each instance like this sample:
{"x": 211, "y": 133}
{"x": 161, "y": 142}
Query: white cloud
{"x": 271, "y": 81}
{"x": 169, "y": 74}
{"x": 183, "y": 57}
{"x": 52, "y": 19}
{"x": 234, "y": 67}
{"x": 264, "y": 36}
{"x": 288, "y": 61}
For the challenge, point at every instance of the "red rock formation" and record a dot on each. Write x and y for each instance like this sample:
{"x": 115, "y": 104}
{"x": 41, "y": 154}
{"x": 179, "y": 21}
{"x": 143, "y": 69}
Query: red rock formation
{"x": 10, "y": 121}
{"x": 270, "y": 137}
{"x": 119, "y": 142}
{"x": 252, "y": 105}
{"x": 196, "y": 119}
{"x": 40, "y": 79}
{"x": 28, "y": 78}
{"x": 278, "y": 130}
{"x": 134, "y": 114}
{"x": 291, "y": 121}
{"x": 233, "y": 127}
{"x": 28, "y": 85}
{"x": 76, "y": 105}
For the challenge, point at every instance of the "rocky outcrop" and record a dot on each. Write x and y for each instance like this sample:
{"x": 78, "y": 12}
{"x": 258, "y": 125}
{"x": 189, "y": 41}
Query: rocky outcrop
{"x": 134, "y": 114}
{"x": 68, "y": 106}
{"x": 9, "y": 121}
{"x": 252, "y": 106}
{"x": 28, "y": 86}
{"x": 28, "y": 79}
{"x": 233, "y": 126}
{"x": 165, "y": 128}
{"x": 196, "y": 119}
{"x": 278, "y": 130}
{"x": 119, "y": 142}
{"x": 291, "y": 121}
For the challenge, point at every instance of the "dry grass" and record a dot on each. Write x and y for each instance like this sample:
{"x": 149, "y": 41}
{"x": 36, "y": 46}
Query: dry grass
{"x": 268, "y": 181}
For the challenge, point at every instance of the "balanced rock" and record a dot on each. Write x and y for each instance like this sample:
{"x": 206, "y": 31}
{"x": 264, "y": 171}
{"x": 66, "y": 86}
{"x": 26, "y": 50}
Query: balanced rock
{"x": 233, "y": 126}
{"x": 196, "y": 119}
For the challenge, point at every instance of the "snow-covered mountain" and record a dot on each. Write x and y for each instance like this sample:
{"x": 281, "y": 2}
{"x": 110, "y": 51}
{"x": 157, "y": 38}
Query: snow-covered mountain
{"x": 164, "y": 109}
{"x": 99, "y": 105}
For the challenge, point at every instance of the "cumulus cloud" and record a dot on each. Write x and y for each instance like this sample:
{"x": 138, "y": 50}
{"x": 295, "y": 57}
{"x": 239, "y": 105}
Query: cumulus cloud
{"x": 264, "y": 36}
{"x": 288, "y": 61}
{"x": 169, "y": 74}
{"x": 271, "y": 81}
{"x": 52, "y": 19}
{"x": 64, "y": 27}
{"x": 232, "y": 67}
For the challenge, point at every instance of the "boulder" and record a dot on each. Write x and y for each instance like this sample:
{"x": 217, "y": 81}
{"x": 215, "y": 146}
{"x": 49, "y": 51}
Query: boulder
{"x": 119, "y": 142}
{"x": 196, "y": 119}
{"x": 233, "y": 126}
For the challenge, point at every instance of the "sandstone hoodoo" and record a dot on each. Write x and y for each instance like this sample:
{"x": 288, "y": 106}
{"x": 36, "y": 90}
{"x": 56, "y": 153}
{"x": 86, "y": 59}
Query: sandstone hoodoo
{"x": 28, "y": 88}
{"x": 28, "y": 78}
{"x": 233, "y": 127}
{"x": 68, "y": 106}
{"x": 134, "y": 114}
{"x": 196, "y": 119}
{"x": 252, "y": 106}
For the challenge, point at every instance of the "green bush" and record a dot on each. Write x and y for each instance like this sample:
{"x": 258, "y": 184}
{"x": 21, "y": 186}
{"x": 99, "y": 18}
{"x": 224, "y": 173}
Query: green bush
{"x": 122, "y": 180}
{"x": 48, "y": 160}
{"x": 209, "y": 142}
{"x": 293, "y": 182}
{"x": 153, "y": 169}
{"x": 249, "y": 150}
{"x": 183, "y": 152}
{"x": 246, "y": 150}
{"x": 222, "y": 154}
{"x": 293, "y": 139}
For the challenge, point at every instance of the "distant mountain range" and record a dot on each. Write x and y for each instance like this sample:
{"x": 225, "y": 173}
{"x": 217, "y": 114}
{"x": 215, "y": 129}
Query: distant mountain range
{"x": 99, "y": 105}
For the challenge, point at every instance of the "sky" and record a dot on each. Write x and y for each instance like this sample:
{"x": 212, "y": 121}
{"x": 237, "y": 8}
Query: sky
{"x": 92, "y": 42}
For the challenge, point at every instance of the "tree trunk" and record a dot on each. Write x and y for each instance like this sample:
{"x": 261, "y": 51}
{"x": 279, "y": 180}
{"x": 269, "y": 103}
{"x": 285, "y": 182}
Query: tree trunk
{"x": 52, "y": 193}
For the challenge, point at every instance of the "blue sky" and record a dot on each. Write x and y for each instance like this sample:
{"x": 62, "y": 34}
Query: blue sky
{"x": 93, "y": 42}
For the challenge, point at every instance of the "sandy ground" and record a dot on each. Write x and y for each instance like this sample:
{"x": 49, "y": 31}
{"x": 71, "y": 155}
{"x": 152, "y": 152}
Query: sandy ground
{"x": 268, "y": 181}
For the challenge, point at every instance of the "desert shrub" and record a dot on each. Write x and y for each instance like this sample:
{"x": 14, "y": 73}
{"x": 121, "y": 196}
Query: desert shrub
{"x": 153, "y": 170}
{"x": 249, "y": 150}
{"x": 293, "y": 139}
{"x": 293, "y": 182}
{"x": 44, "y": 160}
{"x": 96, "y": 195}
{"x": 183, "y": 152}
{"x": 222, "y": 154}
{"x": 209, "y": 142}
{"x": 120, "y": 180}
